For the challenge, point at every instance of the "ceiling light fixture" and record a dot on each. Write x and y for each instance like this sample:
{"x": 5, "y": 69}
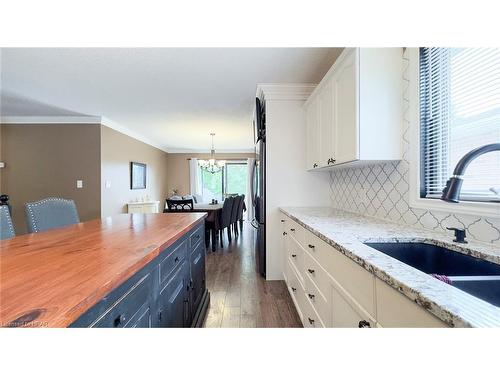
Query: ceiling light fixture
{"x": 212, "y": 165}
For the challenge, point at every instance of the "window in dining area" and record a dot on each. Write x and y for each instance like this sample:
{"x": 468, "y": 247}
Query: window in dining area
{"x": 231, "y": 179}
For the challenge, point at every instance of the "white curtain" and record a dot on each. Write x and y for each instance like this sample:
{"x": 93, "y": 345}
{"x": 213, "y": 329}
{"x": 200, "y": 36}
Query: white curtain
{"x": 248, "y": 197}
{"x": 195, "y": 179}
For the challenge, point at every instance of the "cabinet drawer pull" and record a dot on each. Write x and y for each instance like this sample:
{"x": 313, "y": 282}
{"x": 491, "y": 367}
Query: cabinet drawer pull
{"x": 282, "y": 220}
{"x": 294, "y": 255}
{"x": 292, "y": 229}
{"x": 315, "y": 165}
{"x": 331, "y": 161}
{"x": 311, "y": 271}
{"x": 284, "y": 233}
{"x": 311, "y": 296}
{"x": 311, "y": 321}
{"x": 364, "y": 324}
{"x": 311, "y": 246}
{"x": 176, "y": 259}
{"x": 119, "y": 320}
{"x": 294, "y": 289}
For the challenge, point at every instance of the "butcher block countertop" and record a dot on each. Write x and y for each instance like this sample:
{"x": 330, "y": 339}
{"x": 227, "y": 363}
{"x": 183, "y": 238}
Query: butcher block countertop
{"x": 51, "y": 278}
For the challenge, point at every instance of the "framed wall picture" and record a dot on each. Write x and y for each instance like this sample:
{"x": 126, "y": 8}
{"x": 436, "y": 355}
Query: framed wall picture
{"x": 137, "y": 175}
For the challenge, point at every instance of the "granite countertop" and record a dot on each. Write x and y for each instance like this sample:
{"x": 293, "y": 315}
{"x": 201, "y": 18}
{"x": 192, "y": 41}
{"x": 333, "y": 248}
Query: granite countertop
{"x": 347, "y": 232}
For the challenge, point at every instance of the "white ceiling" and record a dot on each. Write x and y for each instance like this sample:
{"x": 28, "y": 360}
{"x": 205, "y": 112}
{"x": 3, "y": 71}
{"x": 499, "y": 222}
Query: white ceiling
{"x": 173, "y": 97}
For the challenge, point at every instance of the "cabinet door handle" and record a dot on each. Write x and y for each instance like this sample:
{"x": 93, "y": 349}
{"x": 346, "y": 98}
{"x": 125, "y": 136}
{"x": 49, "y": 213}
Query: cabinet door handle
{"x": 311, "y": 321}
{"x": 160, "y": 315}
{"x": 294, "y": 289}
{"x": 364, "y": 324}
{"x": 282, "y": 220}
{"x": 311, "y": 296}
{"x": 294, "y": 255}
{"x": 310, "y": 246}
{"x": 331, "y": 161}
{"x": 284, "y": 233}
{"x": 292, "y": 229}
{"x": 315, "y": 165}
{"x": 119, "y": 320}
{"x": 176, "y": 259}
{"x": 311, "y": 271}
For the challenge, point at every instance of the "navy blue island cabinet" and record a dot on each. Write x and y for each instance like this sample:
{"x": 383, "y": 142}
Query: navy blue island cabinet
{"x": 170, "y": 291}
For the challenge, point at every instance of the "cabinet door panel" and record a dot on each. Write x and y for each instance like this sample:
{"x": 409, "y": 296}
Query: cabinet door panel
{"x": 326, "y": 124}
{"x": 174, "y": 301}
{"x": 344, "y": 315}
{"x": 142, "y": 319}
{"x": 312, "y": 134}
{"x": 197, "y": 281}
{"x": 346, "y": 111}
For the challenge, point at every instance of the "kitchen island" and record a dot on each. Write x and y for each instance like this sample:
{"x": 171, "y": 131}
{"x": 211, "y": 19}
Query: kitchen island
{"x": 129, "y": 270}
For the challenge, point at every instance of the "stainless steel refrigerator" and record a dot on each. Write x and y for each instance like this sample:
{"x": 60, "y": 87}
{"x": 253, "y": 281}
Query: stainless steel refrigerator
{"x": 259, "y": 187}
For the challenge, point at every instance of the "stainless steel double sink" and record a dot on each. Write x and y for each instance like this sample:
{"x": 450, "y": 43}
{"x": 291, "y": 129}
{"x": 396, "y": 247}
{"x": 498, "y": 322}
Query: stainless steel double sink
{"x": 475, "y": 276}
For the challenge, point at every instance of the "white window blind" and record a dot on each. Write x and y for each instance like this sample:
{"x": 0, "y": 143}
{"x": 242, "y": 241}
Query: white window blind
{"x": 459, "y": 111}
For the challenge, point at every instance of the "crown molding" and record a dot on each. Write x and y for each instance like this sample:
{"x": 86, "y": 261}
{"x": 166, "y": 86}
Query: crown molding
{"x": 205, "y": 151}
{"x": 121, "y": 129}
{"x": 45, "y": 120}
{"x": 78, "y": 120}
{"x": 285, "y": 91}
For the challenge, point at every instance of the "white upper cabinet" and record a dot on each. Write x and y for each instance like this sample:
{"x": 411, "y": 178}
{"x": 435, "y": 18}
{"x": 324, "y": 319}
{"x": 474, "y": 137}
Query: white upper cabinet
{"x": 355, "y": 114}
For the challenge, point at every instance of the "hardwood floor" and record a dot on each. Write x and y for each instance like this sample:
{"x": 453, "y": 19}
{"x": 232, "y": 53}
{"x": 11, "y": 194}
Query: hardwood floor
{"x": 240, "y": 297}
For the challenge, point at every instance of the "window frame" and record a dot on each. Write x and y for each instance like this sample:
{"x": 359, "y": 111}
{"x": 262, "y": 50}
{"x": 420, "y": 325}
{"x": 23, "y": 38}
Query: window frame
{"x": 488, "y": 209}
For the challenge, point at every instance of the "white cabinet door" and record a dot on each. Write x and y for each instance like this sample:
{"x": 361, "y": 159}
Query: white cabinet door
{"x": 313, "y": 136}
{"x": 346, "y": 110}
{"x": 326, "y": 124}
{"x": 345, "y": 315}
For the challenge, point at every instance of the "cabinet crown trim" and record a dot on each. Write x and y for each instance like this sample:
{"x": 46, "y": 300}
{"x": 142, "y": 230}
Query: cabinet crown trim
{"x": 285, "y": 91}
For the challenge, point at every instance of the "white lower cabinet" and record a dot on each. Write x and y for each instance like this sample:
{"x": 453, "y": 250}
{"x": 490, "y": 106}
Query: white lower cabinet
{"x": 331, "y": 290}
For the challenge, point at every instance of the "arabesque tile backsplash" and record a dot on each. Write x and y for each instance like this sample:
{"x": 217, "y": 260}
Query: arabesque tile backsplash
{"x": 382, "y": 191}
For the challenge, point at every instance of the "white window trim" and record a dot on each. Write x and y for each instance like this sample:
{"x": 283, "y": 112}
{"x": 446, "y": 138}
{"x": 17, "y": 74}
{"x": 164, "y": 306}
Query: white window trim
{"x": 486, "y": 209}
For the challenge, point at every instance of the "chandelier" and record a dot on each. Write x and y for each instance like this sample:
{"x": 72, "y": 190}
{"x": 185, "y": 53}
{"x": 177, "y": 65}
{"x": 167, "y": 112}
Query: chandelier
{"x": 211, "y": 165}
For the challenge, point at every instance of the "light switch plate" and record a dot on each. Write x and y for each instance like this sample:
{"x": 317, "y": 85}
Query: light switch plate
{"x": 79, "y": 184}
{"x": 107, "y": 184}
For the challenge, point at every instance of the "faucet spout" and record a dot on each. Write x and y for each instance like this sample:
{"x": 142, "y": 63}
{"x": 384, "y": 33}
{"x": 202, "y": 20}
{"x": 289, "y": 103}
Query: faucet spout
{"x": 451, "y": 192}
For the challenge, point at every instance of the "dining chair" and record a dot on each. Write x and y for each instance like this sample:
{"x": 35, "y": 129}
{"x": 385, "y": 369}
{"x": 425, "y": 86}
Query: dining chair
{"x": 50, "y": 213}
{"x": 6, "y": 226}
{"x": 176, "y": 205}
{"x": 241, "y": 208}
{"x": 225, "y": 220}
{"x": 234, "y": 214}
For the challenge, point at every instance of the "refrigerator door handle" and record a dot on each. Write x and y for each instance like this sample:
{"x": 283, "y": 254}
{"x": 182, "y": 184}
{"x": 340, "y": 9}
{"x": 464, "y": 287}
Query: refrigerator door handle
{"x": 252, "y": 192}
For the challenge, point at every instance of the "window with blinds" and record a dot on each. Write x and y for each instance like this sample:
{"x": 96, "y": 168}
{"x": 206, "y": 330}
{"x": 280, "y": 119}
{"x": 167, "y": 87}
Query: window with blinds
{"x": 459, "y": 111}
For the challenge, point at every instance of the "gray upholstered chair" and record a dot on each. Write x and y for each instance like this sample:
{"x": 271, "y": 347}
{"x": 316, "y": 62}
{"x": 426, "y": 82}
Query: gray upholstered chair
{"x": 6, "y": 227}
{"x": 50, "y": 213}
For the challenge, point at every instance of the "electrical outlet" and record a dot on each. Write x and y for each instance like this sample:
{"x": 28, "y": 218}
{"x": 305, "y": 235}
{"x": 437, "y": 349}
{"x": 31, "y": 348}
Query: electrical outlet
{"x": 79, "y": 184}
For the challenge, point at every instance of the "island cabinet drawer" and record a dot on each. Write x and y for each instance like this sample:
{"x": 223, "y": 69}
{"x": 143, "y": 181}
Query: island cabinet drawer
{"x": 196, "y": 236}
{"x": 129, "y": 307}
{"x": 357, "y": 281}
{"x": 396, "y": 310}
{"x": 172, "y": 260}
